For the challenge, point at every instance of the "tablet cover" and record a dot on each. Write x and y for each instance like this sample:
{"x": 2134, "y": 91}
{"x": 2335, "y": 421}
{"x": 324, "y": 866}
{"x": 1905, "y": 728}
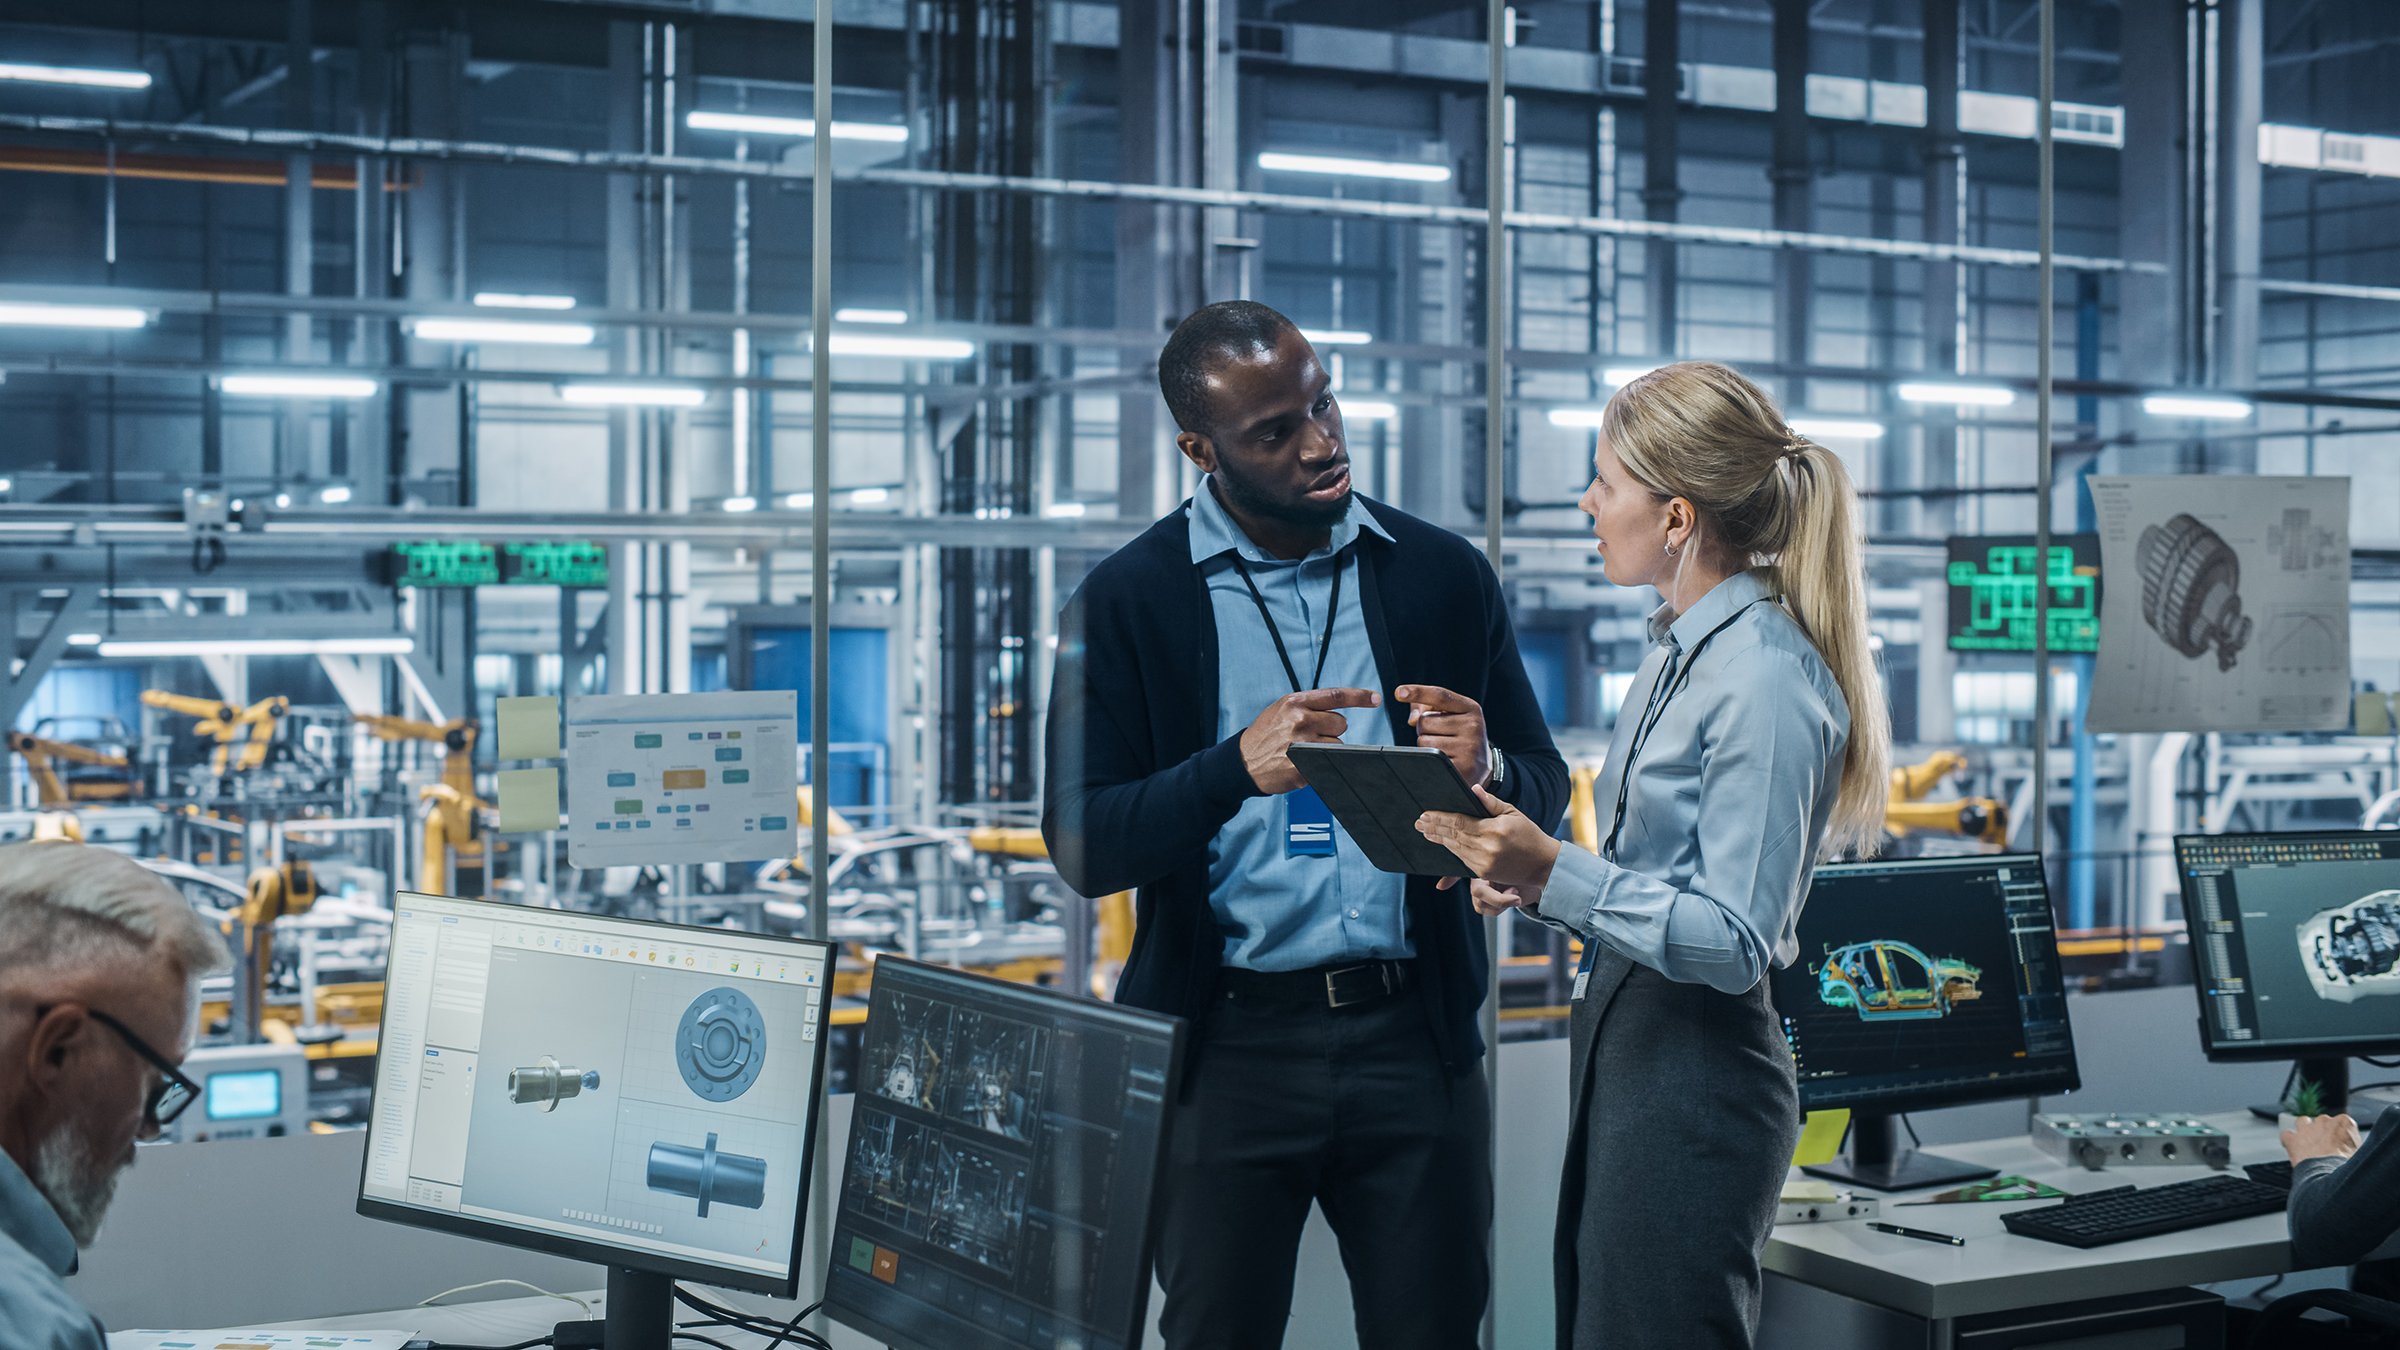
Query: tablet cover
{"x": 1378, "y": 791}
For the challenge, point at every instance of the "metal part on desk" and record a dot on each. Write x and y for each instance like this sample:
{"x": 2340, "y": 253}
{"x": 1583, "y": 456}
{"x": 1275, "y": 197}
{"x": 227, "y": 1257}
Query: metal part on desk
{"x": 1844, "y": 1206}
{"x": 2096, "y": 1142}
{"x": 246, "y": 1092}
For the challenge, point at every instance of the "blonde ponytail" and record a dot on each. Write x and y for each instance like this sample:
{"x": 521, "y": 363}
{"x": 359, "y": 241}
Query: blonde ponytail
{"x": 1769, "y": 498}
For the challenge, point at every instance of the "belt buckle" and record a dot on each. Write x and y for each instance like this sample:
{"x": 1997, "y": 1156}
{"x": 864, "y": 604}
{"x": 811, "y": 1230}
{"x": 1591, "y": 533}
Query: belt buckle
{"x": 1333, "y": 995}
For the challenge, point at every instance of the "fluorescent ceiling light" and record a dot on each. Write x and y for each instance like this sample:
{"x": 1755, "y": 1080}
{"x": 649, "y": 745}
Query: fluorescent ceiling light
{"x": 28, "y": 315}
{"x": 83, "y": 639}
{"x": 1338, "y": 166}
{"x": 299, "y": 386}
{"x": 7, "y": 484}
{"x": 1836, "y": 429}
{"x": 930, "y": 349}
{"x": 504, "y": 330}
{"x": 634, "y": 395}
{"x": 1370, "y": 410}
{"x": 349, "y": 646}
{"x": 2215, "y": 407}
{"x": 283, "y": 501}
{"x": 1963, "y": 395}
{"x": 512, "y": 300}
{"x": 336, "y": 495}
{"x": 1064, "y": 510}
{"x": 870, "y": 316}
{"x": 799, "y": 501}
{"x": 1337, "y": 337}
{"x": 738, "y": 505}
{"x": 1617, "y": 376}
{"x": 82, "y": 75}
{"x": 870, "y": 497}
{"x": 754, "y": 124}
{"x": 1575, "y": 417}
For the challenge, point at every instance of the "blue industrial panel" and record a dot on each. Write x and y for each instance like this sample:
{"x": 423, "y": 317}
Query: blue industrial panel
{"x": 1544, "y": 651}
{"x": 860, "y": 704}
{"x": 78, "y": 694}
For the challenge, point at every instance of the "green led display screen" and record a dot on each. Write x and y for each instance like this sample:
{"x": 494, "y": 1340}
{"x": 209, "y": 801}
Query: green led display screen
{"x": 575, "y": 562}
{"x": 446, "y": 562}
{"x": 429, "y": 563}
{"x": 1992, "y": 580}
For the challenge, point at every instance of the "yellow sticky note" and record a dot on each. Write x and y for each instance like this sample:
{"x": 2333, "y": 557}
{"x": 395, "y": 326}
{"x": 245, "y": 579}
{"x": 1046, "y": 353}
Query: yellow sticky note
{"x": 2374, "y": 714}
{"x": 528, "y": 800}
{"x": 528, "y": 728}
{"x": 1820, "y": 1136}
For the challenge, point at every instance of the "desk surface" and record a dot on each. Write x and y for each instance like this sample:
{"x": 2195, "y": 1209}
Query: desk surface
{"x": 1997, "y": 1270}
{"x": 506, "y": 1321}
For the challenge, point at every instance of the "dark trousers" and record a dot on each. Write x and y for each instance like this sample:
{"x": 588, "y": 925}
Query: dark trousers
{"x": 1349, "y": 1108}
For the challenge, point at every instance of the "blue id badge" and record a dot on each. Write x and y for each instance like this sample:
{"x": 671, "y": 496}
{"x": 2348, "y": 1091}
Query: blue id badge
{"x": 1307, "y": 825}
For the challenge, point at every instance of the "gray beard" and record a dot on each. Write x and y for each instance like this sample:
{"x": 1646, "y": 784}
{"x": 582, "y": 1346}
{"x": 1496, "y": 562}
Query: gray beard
{"x": 78, "y": 1184}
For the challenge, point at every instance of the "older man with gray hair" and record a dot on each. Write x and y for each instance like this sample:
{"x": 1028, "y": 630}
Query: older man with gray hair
{"x": 98, "y": 964}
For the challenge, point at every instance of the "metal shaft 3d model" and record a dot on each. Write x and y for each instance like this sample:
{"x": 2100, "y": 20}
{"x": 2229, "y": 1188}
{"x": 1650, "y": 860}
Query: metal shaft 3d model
{"x": 550, "y": 1083}
{"x": 708, "y": 1176}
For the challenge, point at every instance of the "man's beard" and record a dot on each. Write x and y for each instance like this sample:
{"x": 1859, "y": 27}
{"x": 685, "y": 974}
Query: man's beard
{"x": 78, "y": 1183}
{"x": 1250, "y": 499}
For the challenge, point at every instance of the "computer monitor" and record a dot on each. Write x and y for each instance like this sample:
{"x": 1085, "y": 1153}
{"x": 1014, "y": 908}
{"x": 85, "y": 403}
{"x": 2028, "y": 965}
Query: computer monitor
{"x": 1003, "y": 1166}
{"x": 2295, "y": 948}
{"x": 1921, "y": 983}
{"x": 640, "y": 1095}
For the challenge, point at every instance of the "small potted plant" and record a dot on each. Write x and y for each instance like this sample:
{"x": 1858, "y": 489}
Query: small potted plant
{"x": 2307, "y": 1099}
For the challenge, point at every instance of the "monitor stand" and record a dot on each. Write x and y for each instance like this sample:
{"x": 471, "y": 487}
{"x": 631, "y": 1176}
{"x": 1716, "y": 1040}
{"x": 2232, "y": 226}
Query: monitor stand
{"x": 2332, "y": 1077}
{"x": 640, "y": 1310}
{"x": 1876, "y": 1162}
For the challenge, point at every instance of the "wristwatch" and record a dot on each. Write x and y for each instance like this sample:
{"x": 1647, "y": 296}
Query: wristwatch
{"x": 1499, "y": 766}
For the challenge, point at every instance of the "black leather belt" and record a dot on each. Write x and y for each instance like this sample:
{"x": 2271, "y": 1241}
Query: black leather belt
{"x": 1336, "y": 986}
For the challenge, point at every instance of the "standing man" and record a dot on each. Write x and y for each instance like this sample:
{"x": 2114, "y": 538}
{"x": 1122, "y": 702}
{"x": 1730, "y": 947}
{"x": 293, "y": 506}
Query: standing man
{"x": 1336, "y": 1059}
{"x": 99, "y": 961}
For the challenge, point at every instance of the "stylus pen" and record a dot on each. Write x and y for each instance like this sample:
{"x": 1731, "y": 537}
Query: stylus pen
{"x": 1919, "y": 1234}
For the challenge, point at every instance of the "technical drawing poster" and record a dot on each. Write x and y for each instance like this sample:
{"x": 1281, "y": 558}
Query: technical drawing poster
{"x": 682, "y": 778}
{"x": 2229, "y": 604}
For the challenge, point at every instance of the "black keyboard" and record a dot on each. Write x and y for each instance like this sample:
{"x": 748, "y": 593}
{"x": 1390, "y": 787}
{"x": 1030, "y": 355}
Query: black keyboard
{"x": 2276, "y": 1174}
{"x": 2121, "y": 1216}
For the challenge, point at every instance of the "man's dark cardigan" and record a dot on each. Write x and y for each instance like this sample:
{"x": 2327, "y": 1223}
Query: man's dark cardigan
{"x": 1136, "y": 790}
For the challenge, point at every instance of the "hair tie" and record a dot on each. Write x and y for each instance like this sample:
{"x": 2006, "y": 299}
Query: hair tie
{"x": 1795, "y": 448}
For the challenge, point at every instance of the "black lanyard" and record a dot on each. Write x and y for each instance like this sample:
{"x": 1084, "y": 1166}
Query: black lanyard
{"x": 1333, "y": 606}
{"x": 1651, "y": 716}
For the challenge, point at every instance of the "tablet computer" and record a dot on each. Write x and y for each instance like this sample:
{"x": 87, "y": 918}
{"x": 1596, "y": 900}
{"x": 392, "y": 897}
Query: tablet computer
{"x": 1378, "y": 791}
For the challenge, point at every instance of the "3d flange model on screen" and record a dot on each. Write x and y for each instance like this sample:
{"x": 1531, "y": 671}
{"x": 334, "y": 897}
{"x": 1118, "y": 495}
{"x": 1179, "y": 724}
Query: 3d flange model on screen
{"x": 548, "y": 1083}
{"x": 1890, "y": 980}
{"x": 721, "y": 1044}
{"x": 2353, "y": 951}
{"x": 705, "y": 1175}
{"x": 2191, "y": 589}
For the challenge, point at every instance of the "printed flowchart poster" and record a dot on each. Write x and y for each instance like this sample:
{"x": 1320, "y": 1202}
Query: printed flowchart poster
{"x": 682, "y": 778}
{"x": 2228, "y": 604}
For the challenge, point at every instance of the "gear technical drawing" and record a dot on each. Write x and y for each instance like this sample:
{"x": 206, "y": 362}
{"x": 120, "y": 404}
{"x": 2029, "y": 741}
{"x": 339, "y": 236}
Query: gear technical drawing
{"x": 549, "y": 1083}
{"x": 721, "y": 1044}
{"x": 705, "y": 1175}
{"x": 2191, "y": 589}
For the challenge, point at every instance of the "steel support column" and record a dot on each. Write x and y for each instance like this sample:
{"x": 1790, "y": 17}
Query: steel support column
{"x": 1662, "y": 79}
{"x": 1944, "y": 307}
{"x": 1789, "y": 173}
{"x": 2240, "y": 56}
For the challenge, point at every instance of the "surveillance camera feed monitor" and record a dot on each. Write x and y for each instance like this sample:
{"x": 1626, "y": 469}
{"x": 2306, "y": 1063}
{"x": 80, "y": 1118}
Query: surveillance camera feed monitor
{"x": 637, "y": 1094}
{"x": 2295, "y": 941}
{"x": 1927, "y": 982}
{"x": 1003, "y": 1166}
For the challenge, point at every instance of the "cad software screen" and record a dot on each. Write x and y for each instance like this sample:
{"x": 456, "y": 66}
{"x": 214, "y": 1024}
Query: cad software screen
{"x": 1926, "y": 981}
{"x": 633, "y": 1086}
{"x": 1002, "y": 1162}
{"x": 2295, "y": 939}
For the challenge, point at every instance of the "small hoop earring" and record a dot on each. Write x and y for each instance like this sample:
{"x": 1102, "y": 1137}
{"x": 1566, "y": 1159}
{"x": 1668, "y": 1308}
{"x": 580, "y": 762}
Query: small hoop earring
{"x": 1670, "y": 550}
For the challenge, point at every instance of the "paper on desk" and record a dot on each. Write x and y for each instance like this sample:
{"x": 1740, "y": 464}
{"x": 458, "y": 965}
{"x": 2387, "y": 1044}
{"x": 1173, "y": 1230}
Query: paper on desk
{"x": 528, "y": 800}
{"x": 259, "y": 1340}
{"x": 1998, "y": 1189}
{"x": 528, "y": 728}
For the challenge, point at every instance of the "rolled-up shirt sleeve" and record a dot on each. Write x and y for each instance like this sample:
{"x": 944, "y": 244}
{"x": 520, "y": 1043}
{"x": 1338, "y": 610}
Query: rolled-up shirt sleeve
{"x": 1771, "y": 747}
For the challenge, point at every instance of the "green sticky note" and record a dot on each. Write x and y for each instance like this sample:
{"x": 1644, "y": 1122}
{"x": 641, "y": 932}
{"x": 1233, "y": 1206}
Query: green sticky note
{"x": 528, "y": 728}
{"x": 528, "y": 800}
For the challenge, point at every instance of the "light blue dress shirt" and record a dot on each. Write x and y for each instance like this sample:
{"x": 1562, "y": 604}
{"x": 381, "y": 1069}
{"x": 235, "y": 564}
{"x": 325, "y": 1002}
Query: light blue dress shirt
{"x": 36, "y": 1255}
{"x": 1279, "y": 912}
{"x": 1726, "y": 802}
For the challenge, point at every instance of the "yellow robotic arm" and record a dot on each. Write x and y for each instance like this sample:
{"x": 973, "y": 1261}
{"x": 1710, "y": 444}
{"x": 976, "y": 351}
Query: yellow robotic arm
{"x": 38, "y": 752}
{"x": 1982, "y": 819}
{"x": 452, "y": 843}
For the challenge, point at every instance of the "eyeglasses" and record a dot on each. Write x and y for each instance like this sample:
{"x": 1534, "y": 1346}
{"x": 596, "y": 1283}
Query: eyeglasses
{"x": 174, "y": 1092}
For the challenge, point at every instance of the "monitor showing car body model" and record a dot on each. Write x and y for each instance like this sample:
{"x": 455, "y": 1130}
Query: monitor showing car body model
{"x": 1003, "y": 1166}
{"x": 1920, "y": 983}
{"x": 637, "y": 1094}
{"x": 2295, "y": 946}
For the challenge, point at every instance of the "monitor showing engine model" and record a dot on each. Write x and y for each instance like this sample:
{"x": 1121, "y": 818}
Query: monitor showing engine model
{"x": 637, "y": 1094}
{"x": 1003, "y": 1166}
{"x": 1927, "y": 982}
{"x": 2295, "y": 941}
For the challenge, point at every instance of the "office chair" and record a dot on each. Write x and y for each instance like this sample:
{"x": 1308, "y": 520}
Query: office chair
{"x": 2279, "y": 1321}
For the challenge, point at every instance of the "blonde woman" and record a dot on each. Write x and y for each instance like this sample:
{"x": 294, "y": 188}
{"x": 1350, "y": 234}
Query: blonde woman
{"x": 1753, "y": 740}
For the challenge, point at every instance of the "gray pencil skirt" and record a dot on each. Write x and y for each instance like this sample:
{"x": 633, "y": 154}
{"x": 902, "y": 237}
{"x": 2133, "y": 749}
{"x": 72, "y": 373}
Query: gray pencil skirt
{"x": 1685, "y": 1116}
